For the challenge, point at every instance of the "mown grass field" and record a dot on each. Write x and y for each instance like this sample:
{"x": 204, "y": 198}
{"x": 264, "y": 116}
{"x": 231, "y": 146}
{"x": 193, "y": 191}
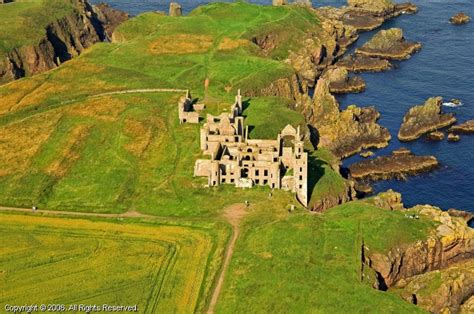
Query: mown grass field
{"x": 24, "y": 22}
{"x": 307, "y": 263}
{"x": 159, "y": 267}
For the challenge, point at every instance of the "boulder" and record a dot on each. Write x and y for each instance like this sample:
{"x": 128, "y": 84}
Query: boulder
{"x": 460, "y": 18}
{"x": 389, "y": 44}
{"x": 423, "y": 119}
{"x": 367, "y": 154}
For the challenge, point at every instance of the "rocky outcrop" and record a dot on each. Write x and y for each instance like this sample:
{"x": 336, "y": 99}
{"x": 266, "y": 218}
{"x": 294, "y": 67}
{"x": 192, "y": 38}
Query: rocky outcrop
{"x": 453, "y": 137}
{"x": 286, "y": 87}
{"x": 365, "y": 15}
{"x": 389, "y": 200}
{"x": 357, "y": 63}
{"x": 468, "y": 306}
{"x": 344, "y": 132}
{"x": 460, "y": 18}
{"x": 389, "y": 44}
{"x": 440, "y": 291}
{"x": 65, "y": 38}
{"x": 464, "y": 128}
{"x": 341, "y": 83}
{"x": 450, "y": 242}
{"x": 397, "y": 165}
{"x": 423, "y": 119}
{"x": 332, "y": 199}
{"x": 435, "y": 136}
{"x": 109, "y": 18}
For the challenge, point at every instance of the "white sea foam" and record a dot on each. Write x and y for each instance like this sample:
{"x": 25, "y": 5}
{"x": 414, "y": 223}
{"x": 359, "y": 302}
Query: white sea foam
{"x": 451, "y": 104}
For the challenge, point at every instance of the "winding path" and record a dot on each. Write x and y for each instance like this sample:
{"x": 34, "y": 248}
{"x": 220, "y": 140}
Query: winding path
{"x": 233, "y": 214}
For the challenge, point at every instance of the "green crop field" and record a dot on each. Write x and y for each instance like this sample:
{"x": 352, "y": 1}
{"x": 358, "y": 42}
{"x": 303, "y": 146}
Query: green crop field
{"x": 72, "y": 261}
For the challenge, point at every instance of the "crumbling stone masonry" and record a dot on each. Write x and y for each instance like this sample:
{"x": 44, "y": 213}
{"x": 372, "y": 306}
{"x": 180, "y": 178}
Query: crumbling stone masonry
{"x": 236, "y": 159}
{"x": 187, "y": 111}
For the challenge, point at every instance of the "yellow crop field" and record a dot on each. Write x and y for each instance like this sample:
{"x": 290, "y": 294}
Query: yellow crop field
{"x": 48, "y": 260}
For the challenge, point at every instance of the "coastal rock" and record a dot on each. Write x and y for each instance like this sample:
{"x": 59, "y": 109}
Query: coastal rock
{"x": 377, "y": 7}
{"x": 467, "y": 307}
{"x": 363, "y": 188}
{"x": 175, "y": 9}
{"x": 357, "y": 63}
{"x": 331, "y": 200}
{"x": 358, "y": 19}
{"x": 345, "y": 132}
{"x": 450, "y": 242}
{"x": 389, "y": 44}
{"x": 440, "y": 291}
{"x": 423, "y": 119}
{"x": 110, "y": 18}
{"x": 464, "y": 128}
{"x": 367, "y": 154}
{"x": 460, "y": 18}
{"x": 435, "y": 136}
{"x": 453, "y": 137}
{"x": 467, "y": 216}
{"x": 393, "y": 166}
{"x": 341, "y": 83}
{"x": 389, "y": 200}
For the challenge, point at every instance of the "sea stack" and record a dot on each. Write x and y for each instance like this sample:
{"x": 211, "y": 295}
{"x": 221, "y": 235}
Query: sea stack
{"x": 175, "y": 9}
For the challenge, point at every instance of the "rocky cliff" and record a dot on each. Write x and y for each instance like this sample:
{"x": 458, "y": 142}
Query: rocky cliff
{"x": 451, "y": 241}
{"x": 64, "y": 39}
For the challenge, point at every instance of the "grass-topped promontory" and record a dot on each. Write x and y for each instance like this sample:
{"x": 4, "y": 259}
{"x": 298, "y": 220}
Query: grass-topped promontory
{"x": 23, "y": 22}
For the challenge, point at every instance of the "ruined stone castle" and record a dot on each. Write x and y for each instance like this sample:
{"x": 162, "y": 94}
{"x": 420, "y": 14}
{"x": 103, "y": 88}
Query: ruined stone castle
{"x": 234, "y": 158}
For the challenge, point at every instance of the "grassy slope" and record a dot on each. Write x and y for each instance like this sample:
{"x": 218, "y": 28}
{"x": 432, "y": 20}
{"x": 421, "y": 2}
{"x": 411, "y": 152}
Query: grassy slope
{"x": 72, "y": 261}
{"x": 304, "y": 263}
{"x": 24, "y": 22}
{"x": 82, "y": 157}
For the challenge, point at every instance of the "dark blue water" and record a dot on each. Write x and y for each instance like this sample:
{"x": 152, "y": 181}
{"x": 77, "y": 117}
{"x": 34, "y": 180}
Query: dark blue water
{"x": 444, "y": 67}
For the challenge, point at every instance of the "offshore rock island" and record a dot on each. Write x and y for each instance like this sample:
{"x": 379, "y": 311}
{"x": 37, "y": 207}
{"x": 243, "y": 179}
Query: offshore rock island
{"x": 118, "y": 180}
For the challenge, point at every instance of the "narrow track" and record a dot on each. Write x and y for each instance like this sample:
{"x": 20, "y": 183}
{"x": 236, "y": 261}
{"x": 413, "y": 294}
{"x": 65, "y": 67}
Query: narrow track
{"x": 129, "y": 214}
{"x": 233, "y": 214}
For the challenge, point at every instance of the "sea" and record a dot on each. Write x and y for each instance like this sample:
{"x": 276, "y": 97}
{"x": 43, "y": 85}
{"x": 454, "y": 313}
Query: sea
{"x": 444, "y": 67}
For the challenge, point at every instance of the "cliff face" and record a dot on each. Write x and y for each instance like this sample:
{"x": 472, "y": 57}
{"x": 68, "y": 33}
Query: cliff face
{"x": 64, "y": 39}
{"x": 452, "y": 242}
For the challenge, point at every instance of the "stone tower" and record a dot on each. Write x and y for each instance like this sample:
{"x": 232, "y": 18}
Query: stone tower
{"x": 280, "y": 2}
{"x": 175, "y": 9}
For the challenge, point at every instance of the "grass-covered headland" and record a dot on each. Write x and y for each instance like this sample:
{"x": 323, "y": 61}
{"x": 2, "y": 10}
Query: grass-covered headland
{"x": 66, "y": 146}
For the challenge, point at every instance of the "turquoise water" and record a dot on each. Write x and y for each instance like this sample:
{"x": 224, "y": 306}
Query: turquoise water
{"x": 444, "y": 67}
